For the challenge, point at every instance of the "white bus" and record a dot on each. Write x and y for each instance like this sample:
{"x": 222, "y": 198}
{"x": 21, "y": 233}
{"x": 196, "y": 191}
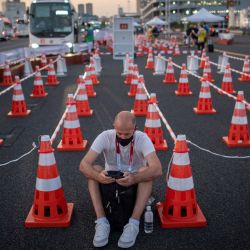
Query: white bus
{"x": 52, "y": 22}
{"x": 22, "y": 29}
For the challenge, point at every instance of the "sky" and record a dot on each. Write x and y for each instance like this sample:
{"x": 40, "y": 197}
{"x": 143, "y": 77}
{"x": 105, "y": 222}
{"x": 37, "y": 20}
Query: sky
{"x": 104, "y": 7}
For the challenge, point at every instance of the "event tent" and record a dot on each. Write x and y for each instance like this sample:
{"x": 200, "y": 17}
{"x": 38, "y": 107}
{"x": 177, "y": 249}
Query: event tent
{"x": 156, "y": 21}
{"x": 204, "y": 16}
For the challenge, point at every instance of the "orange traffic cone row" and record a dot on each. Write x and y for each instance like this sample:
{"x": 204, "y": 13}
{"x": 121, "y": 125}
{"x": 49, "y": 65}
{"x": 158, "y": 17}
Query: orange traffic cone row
{"x": 153, "y": 128}
{"x": 89, "y": 85}
{"x": 183, "y": 86}
{"x": 169, "y": 76}
{"x": 133, "y": 86}
{"x": 72, "y": 139}
{"x": 227, "y": 84}
{"x": 52, "y": 78}
{"x": 207, "y": 73}
{"x": 238, "y": 133}
{"x": 38, "y": 89}
{"x": 82, "y": 102}
{"x": 180, "y": 208}
{"x": 205, "y": 105}
{"x": 129, "y": 74}
{"x": 18, "y": 107}
{"x": 93, "y": 73}
{"x": 150, "y": 61}
{"x": 43, "y": 61}
{"x": 245, "y": 76}
{"x": 50, "y": 208}
{"x": 7, "y": 78}
{"x": 203, "y": 59}
{"x": 140, "y": 51}
{"x": 141, "y": 103}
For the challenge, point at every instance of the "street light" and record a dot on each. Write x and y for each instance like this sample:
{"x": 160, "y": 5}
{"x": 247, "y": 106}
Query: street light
{"x": 167, "y": 14}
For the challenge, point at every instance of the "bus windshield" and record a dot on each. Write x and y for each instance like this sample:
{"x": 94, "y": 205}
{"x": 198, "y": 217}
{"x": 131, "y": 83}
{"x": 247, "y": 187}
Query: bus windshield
{"x": 50, "y": 19}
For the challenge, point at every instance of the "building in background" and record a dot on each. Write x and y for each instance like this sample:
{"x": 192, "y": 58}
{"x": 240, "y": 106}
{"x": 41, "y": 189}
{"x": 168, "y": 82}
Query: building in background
{"x": 89, "y": 8}
{"x": 178, "y": 9}
{"x": 80, "y": 9}
{"x": 14, "y": 10}
{"x": 140, "y": 4}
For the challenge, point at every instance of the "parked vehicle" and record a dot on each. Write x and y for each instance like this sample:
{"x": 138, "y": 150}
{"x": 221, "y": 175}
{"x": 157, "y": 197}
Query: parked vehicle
{"x": 6, "y": 31}
{"x": 22, "y": 29}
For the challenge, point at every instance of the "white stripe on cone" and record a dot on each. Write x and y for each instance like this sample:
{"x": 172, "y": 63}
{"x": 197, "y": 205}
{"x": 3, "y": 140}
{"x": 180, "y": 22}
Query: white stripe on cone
{"x": 18, "y": 97}
{"x": 46, "y": 159}
{"x": 81, "y": 98}
{"x": 71, "y": 124}
{"x": 141, "y": 97}
{"x": 47, "y": 185}
{"x": 205, "y": 95}
{"x": 239, "y": 120}
{"x": 72, "y": 109}
{"x": 178, "y": 184}
{"x": 152, "y": 123}
{"x": 181, "y": 159}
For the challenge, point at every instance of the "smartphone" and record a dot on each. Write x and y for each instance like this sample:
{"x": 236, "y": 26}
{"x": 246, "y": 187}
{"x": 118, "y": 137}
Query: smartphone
{"x": 115, "y": 174}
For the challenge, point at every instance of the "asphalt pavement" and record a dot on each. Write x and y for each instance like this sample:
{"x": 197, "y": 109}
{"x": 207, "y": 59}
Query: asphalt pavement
{"x": 222, "y": 185}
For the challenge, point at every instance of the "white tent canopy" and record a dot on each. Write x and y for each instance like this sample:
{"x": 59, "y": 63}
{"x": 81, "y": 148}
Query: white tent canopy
{"x": 135, "y": 24}
{"x": 204, "y": 16}
{"x": 156, "y": 21}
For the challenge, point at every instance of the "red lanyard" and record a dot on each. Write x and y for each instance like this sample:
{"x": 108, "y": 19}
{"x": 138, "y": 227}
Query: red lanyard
{"x": 118, "y": 154}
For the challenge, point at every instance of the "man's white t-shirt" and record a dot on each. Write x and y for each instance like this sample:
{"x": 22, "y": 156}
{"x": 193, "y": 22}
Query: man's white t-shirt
{"x": 106, "y": 143}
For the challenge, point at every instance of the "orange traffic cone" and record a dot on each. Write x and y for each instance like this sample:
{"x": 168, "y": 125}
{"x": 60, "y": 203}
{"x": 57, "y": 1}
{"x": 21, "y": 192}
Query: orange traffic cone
{"x": 207, "y": 74}
{"x": 43, "y": 61}
{"x": 203, "y": 59}
{"x": 140, "y": 104}
{"x": 153, "y": 128}
{"x": 133, "y": 86}
{"x": 152, "y": 98}
{"x": 238, "y": 133}
{"x": 50, "y": 208}
{"x": 82, "y": 102}
{"x": 140, "y": 51}
{"x": 227, "y": 84}
{"x": 180, "y": 208}
{"x": 129, "y": 74}
{"x": 150, "y": 61}
{"x": 92, "y": 70}
{"x": 205, "y": 105}
{"x": 18, "y": 107}
{"x": 52, "y": 78}
{"x": 89, "y": 85}
{"x": 169, "y": 76}
{"x": 177, "y": 50}
{"x": 72, "y": 139}
{"x": 245, "y": 77}
{"x": 38, "y": 89}
{"x": 183, "y": 86}
{"x": 7, "y": 78}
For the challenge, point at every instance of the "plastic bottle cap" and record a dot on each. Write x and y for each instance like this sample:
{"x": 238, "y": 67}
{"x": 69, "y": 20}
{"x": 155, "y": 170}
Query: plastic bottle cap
{"x": 148, "y": 208}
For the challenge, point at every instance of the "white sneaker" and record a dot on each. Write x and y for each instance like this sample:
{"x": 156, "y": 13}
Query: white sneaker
{"x": 128, "y": 237}
{"x": 101, "y": 238}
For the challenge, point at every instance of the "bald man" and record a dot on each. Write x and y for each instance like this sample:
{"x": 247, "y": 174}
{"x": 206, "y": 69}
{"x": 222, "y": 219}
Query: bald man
{"x": 131, "y": 152}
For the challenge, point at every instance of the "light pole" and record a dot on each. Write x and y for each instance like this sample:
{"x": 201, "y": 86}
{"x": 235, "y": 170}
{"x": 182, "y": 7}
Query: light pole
{"x": 167, "y": 14}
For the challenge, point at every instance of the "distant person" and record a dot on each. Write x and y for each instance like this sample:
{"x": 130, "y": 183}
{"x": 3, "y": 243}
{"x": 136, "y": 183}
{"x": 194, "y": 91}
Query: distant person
{"x": 155, "y": 32}
{"x": 150, "y": 34}
{"x": 89, "y": 38}
{"x": 131, "y": 154}
{"x": 193, "y": 34}
{"x": 201, "y": 37}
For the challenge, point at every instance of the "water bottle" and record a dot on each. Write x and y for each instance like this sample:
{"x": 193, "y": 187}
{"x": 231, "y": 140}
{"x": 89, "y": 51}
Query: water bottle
{"x": 148, "y": 220}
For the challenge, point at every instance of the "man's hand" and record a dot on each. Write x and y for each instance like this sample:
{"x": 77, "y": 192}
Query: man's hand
{"x": 104, "y": 178}
{"x": 127, "y": 180}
